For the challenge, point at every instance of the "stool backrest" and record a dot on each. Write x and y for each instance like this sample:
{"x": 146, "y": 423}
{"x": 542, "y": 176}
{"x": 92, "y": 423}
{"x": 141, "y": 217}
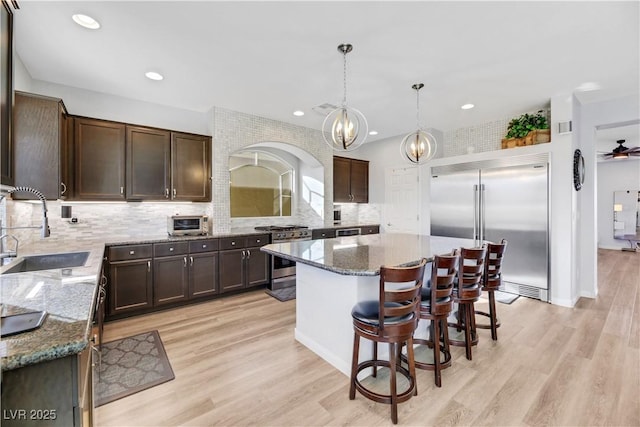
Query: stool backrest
{"x": 493, "y": 264}
{"x": 471, "y": 272}
{"x": 401, "y": 300}
{"x": 443, "y": 274}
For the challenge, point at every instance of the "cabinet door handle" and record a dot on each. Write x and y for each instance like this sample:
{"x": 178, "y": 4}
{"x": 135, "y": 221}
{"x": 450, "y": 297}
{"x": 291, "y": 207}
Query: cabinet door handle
{"x": 191, "y": 261}
{"x": 63, "y": 188}
{"x": 175, "y": 193}
{"x": 121, "y": 190}
{"x": 148, "y": 266}
{"x": 166, "y": 193}
{"x": 244, "y": 254}
{"x": 248, "y": 254}
{"x": 185, "y": 261}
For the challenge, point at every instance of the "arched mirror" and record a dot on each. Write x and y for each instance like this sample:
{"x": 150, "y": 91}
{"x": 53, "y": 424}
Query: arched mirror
{"x": 262, "y": 185}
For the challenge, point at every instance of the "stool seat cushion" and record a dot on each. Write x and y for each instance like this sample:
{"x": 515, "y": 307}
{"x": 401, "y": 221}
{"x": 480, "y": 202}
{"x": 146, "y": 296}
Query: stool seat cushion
{"x": 367, "y": 312}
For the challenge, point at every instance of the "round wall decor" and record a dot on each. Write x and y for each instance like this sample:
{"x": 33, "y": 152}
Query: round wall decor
{"x": 578, "y": 170}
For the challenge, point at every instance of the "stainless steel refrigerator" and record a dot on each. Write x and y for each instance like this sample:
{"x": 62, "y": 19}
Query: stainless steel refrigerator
{"x": 495, "y": 200}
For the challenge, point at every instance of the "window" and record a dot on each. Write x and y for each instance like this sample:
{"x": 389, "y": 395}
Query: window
{"x": 261, "y": 185}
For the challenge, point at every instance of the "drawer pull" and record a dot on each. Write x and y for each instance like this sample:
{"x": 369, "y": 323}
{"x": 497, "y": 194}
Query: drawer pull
{"x": 258, "y": 240}
{"x": 170, "y": 249}
{"x": 204, "y": 246}
{"x": 132, "y": 252}
{"x": 233, "y": 243}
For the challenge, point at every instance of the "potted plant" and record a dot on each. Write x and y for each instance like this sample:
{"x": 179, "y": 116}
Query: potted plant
{"x": 528, "y": 129}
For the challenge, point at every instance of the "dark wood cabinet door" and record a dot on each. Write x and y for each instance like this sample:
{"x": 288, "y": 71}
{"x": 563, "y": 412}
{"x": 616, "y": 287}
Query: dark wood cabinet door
{"x": 190, "y": 167}
{"x": 203, "y": 274}
{"x": 99, "y": 159}
{"x": 341, "y": 180}
{"x": 6, "y": 94}
{"x": 257, "y": 265}
{"x": 170, "y": 279}
{"x": 130, "y": 286}
{"x": 39, "y": 129}
{"x": 232, "y": 270}
{"x": 148, "y": 166}
{"x": 359, "y": 181}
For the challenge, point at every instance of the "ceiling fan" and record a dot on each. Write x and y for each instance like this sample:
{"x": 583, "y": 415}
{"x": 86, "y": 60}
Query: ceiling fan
{"x": 622, "y": 152}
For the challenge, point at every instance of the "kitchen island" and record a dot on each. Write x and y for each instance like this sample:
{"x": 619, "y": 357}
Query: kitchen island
{"x": 332, "y": 275}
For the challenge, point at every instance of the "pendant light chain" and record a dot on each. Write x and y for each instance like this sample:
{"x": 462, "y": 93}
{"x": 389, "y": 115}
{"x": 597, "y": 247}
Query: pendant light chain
{"x": 344, "y": 78}
{"x": 418, "y": 108}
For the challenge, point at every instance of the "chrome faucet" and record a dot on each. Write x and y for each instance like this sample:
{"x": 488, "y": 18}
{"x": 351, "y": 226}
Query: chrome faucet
{"x": 46, "y": 232}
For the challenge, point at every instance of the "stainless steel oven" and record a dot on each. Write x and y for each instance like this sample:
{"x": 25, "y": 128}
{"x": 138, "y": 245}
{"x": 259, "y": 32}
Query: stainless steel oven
{"x": 283, "y": 271}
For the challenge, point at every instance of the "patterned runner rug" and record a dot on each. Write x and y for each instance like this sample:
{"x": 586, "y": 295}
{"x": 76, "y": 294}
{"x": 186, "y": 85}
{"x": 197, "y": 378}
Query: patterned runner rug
{"x": 130, "y": 365}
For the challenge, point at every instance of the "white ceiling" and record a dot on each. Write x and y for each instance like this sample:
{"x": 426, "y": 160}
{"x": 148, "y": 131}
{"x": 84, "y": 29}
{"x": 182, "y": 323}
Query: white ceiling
{"x": 271, "y": 58}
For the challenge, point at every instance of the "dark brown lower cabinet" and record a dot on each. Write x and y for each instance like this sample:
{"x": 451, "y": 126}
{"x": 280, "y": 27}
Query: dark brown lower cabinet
{"x": 242, "y": 263}
{"x": 130, "y": 280}
{"x": 130, "y": 286}
{"x": 203, "y": 274}
{"x": 171, "y": 279}
{"x": 232, "y": 270}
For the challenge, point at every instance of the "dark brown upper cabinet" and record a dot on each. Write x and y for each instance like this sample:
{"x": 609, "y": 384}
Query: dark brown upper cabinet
{"x": 99, "y": 159}
{"x": 190, "y": 167}
{"x": 41, "y": 146}
{"x": 6, "y": 94}
{"x": 148, "y": 163}
{"x": 350, "y": 180}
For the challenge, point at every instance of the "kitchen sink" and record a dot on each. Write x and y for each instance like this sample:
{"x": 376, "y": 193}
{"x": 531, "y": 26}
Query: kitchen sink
{"x": 48, "y": 262}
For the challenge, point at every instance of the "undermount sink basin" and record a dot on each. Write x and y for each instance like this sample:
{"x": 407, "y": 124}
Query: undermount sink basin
{"x": 48, "y": 262}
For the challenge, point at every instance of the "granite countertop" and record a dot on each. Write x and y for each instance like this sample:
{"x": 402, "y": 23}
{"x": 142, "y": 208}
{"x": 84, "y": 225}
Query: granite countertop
{"x": 363, "y": 255}
{"x": 68, "y": 296}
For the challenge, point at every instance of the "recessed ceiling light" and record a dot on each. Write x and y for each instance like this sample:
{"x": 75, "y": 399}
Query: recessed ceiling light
{"x": 588, "y": 87}
{"x": 373, "y": 132}
{"x": 467, "y": 106}
{"x": 298, "y": 113}
{"x": 153, "y": 75}
{"x": 85, "y": 21}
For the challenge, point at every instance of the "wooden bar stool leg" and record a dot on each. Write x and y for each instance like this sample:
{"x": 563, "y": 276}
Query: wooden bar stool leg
{"x": 354, "y": 366}
{"x": 412, "y": 363}
{"x": 393, "y": 386}
{"x": 492, "y": 316}
{"x": 375, "y": 357}
{"x": 467, "y": 331}
{"x": 436, "y": 351}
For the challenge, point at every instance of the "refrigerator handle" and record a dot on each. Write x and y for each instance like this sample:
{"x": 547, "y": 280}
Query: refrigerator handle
{"x": 481, "y": 227}
{"x": 475, "y": 213}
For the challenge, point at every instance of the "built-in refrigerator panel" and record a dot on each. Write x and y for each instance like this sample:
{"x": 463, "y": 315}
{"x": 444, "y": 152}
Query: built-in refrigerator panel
{"x": 494, "y": 200}
{"x": 514, "y": 207}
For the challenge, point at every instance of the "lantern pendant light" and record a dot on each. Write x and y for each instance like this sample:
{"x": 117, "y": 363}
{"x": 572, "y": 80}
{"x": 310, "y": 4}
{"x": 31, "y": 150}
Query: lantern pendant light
{"x": 345, "y": 128}
{"x": 419, "y": 146}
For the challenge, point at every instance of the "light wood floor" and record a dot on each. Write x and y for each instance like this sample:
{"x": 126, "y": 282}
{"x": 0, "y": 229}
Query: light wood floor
{"x": 236, "y": 362}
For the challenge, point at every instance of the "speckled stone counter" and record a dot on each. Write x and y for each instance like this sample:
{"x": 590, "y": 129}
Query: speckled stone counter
{"x": 363, "y": 255}
{"x": 68, "y": 296}
{"x": 332, "y": 275}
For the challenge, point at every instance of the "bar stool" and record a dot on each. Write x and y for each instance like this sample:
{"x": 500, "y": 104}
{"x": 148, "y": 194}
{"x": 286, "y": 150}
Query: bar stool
{"x": 436, "y": 305}
{"x": 391, "y": 319}
{"x": 465, "y": 293}
{"x": 491, "y": 282}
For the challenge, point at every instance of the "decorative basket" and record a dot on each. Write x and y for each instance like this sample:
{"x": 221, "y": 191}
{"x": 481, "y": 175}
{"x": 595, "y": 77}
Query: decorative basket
{"x": 537, "y": 136}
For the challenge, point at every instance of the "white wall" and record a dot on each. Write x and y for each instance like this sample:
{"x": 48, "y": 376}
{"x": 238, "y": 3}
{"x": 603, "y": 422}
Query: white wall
{"x": 593, "y": 115}
{"x": 613, "y": 175}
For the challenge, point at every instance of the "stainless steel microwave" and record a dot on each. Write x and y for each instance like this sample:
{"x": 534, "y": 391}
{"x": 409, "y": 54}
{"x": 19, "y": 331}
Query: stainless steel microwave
{"x": 188, "y": 225}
